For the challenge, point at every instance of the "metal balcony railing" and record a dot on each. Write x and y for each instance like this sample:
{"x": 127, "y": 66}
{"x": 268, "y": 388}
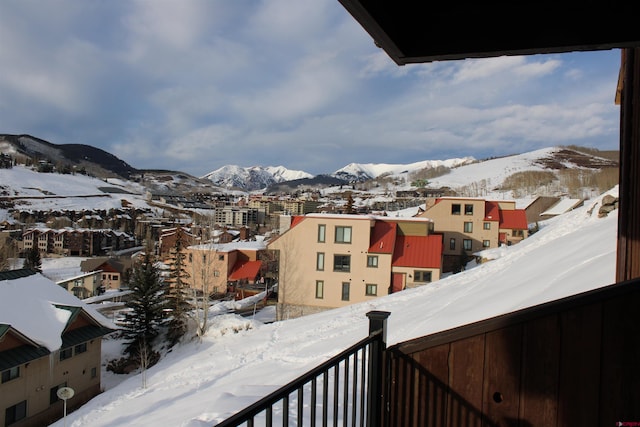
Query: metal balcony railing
{"x": 346, "y": 390}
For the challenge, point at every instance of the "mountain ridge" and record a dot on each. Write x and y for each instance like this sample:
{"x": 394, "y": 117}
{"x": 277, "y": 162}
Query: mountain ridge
{"x": 273, "y": 179}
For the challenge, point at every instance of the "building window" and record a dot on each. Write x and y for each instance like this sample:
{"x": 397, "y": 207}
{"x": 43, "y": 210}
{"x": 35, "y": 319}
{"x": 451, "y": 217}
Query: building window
{"x": 15, "y": 413}
{"x": 421, "y": 276}
{"x": 468, "y": 209}
{"x": 220, "y": 257}
{"x": 372, "y": 261}
{"x": 319, "y": 289}
{"x": 466, "y": 244}
{"x": 342, "y": 263}
{"x": 486, "y": 226}
{"x": 190, "y": 258}
{"x": 468, "y": 227}
{"x": 343, "y": 234}
{"x": 10, "y": 374}
{"x": 452, "y": 244}
{"x": 322, "y": 230}
{"x": 66, "y": 353}
{"x": 320, "y": 261}
{"x": 486, "y": 243}
{"x": 94, "y": 372}
{"x": 518, "y": 233}
{"x": 455, "y": 209}
{"x": 216, "y": 273}
{"x": 80, "y": 348}
{"x": 345, "y": 291}
{"x": 371, "y": 290}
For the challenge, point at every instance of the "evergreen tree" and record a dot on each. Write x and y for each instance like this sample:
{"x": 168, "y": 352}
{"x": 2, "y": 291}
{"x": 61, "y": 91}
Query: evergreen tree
{"x": 143, "y": 321}
{"x": 348, "y": 209}
{"x": 33, "y": 259}
{"x": 178, "y": 288}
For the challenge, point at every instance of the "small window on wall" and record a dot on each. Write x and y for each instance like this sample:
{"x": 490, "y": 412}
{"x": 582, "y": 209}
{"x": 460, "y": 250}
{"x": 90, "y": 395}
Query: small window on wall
{"x": 66, "y": 353}
{"x": 322, "y": 231}
{"x": 452, "y": 244}
{"x": 468, "y": 209}
{"x": 371, "y": 290}
{"x": 487, "y": 226}
{"x": 486, "y": 243}
{"x": 11, "y": 374}
{"x": 468, "y": 227}
{"x": 466, "y": 244}
{"x": 372, "y": 261}
{"x": 320, "y": 261}
{"x": 80, "y": 348}
{"x": 455, "y": 209}
{"x": 319, "y": 289}
{"x": 220, "y": 257}
{"x": 342, "y": 263}
{"x": 421, "y": 276}
{"x": 345, "y": 291}
{"x": 15, "y": 413}
{"x": 343, "y": 234}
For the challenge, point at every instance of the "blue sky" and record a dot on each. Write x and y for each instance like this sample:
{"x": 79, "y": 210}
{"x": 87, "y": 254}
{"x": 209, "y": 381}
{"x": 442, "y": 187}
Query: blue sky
{"x": 195, "y": 85}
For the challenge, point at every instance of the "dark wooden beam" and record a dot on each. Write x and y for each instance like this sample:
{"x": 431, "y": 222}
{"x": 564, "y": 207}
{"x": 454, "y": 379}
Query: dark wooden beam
{"x": 628, "y": 259}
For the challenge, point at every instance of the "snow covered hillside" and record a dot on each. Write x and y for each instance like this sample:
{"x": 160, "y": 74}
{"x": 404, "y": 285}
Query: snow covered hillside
{"x": 241, "y": 360}
{"x": 52, "y": 191}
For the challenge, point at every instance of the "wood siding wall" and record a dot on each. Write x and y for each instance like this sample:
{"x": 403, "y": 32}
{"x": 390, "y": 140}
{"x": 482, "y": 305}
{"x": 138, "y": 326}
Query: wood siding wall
{"x": 566, "y": 364}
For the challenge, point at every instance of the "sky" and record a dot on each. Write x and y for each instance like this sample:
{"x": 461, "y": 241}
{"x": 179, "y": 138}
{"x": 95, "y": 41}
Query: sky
{"x": 195, "y": 85}
{"x": 241, "y": 360}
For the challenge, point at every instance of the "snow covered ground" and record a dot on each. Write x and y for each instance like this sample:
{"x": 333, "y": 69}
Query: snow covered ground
{"x": 243, "y": 359}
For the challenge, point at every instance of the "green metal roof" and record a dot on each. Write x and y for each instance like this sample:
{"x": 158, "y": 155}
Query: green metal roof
{"x": 21, "y": 355}
{"x": 84, "y": 334}
{"x": 17, "y": 274}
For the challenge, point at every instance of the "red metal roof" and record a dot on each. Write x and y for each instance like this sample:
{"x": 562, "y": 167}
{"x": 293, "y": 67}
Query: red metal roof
{"x": 245, "y": 270}
{"x": 295, "y": 220}
{"x": 418, "y": 251}
{"x": 491, "y": 211}
{"x": 513, "y": 219}
{"x": 383, "y": 237}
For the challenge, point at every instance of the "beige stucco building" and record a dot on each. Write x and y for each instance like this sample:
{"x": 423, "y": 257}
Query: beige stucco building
{"x": 329, "y": 261}
{"x": 470, "y": 225}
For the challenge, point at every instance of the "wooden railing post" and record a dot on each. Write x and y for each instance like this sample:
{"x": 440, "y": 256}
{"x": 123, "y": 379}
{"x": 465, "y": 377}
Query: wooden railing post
{"x": 375, "y": 394}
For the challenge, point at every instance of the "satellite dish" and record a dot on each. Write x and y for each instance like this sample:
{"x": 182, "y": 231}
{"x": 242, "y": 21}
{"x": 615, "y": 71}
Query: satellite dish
{"x": 65, "y": 393}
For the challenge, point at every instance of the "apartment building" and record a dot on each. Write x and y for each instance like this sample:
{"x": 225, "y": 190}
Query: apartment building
{"x": 328, "y": 261}
{"x": 75, "y": 241}
{"x": 213, "y": 266}
{"x": 48, "y": 339}
{"x": 470, "y": 225}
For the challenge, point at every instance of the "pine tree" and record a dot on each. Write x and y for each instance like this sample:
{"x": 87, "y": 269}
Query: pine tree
{"x": 33, "y": 260}
{"x": 178, "y": 288}
{"x": 143, "y": 321}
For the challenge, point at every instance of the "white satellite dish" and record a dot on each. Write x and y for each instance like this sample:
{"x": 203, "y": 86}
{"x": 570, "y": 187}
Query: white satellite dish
{"x": 65, "y": 393}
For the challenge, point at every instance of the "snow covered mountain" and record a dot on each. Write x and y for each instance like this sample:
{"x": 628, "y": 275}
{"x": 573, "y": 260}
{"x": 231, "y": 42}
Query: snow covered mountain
{"x": 252, "y": 178}
{"x": 259, "y": 177}
{"x": 364, "y": 171}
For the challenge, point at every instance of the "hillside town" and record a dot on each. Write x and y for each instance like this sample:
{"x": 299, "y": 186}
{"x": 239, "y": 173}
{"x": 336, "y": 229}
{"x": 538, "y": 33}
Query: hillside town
{"x": 300, "y": 253}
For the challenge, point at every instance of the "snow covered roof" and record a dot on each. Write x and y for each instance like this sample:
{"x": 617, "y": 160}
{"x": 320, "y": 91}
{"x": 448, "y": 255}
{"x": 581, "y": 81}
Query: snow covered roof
{"x": 31, "y": 305}
{"x": 257, "y": 245}
{"x": 564, "y": 205}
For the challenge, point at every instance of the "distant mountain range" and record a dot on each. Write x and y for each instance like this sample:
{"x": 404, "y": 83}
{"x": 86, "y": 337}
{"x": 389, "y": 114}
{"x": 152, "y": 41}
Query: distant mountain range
{"x": 259, "y": 177}
{"x": 275, "y": 179}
